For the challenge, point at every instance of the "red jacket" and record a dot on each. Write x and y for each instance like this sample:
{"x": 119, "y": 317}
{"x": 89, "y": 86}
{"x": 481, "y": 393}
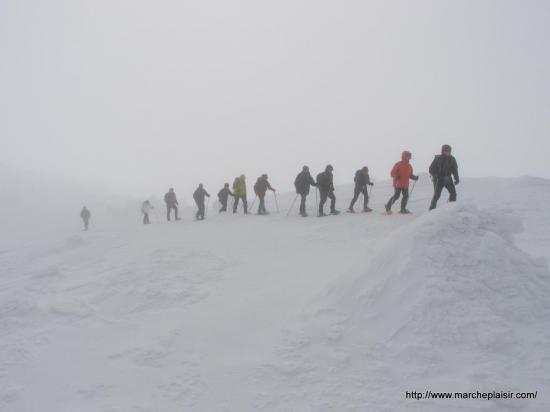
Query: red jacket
{"x": 402, "y": 172}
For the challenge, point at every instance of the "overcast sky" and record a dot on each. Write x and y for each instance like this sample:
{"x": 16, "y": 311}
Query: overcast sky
{"x": 140, "y": 95}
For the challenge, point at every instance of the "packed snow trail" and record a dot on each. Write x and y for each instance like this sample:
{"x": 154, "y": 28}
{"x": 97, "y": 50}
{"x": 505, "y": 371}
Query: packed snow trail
{"x": 248, "y": 313}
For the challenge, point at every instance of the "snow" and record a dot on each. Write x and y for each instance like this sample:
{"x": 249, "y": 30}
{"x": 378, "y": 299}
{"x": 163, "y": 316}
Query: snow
{"x": 276, "y": 313}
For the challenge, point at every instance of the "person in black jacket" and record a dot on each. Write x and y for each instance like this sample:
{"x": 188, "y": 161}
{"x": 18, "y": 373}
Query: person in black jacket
{"x": 361, "y": 179}
{"x": 442, "y": 168}
{"x": 171, "y": 203}
{"x": 199, "y": 196}
{"x": 260, "y": 188}
{"x": 302, "y": 183}
{"x": 223, "y": 195}
{"x": 326, "y": 190}
{"x": 85, "y": 216}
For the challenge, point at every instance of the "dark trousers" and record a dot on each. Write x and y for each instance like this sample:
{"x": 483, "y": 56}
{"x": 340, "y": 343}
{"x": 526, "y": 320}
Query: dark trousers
{"x": 397, "y": 193}
{"x": 357, "y": 191}
{"x": 224, "y": 205}
{"x": 261, "y": 205}
{"x": 440, "y": 183}
{"x": 86, "y": 223}
{"x": 324, "y": 195}
{"x": 200, "y": 213}
{"x": 303, "y": 202}
{"x": 146, "y": 219}
{"x": 168, "y": 209}
{"x": 236, "y": 203}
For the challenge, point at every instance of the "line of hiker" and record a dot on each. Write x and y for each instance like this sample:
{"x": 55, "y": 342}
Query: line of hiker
{"x": 443, "y": 171}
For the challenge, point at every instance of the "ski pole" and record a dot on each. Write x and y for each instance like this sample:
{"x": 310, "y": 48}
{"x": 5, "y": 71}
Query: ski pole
{"x": 276, "y": 202}
{"x": 292, "y": 205}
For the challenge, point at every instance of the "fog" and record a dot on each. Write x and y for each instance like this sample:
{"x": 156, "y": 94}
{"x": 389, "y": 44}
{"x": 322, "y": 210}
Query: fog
{"x": 138, "y": 96}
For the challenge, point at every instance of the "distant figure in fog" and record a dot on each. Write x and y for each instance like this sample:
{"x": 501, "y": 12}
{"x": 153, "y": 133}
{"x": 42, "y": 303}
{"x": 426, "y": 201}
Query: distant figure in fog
{"x": 146, "y": 207}
{"x": 198, "y": 196}
{"x": 223, "y": 195}
{"x": 85, "y": 215}
{"x": 171, "y": 203}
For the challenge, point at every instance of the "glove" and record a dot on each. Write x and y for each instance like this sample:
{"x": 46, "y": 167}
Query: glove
{"x": 371, "y": 184}
{"x": 413, "y": 177}
{"x": 457, "y": 181}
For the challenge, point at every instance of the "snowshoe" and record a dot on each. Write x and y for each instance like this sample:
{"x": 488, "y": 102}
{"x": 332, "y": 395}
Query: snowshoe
{"x": 405, "y": 211}
{"x": 350, "y": 210}
{"x": 334, "y": 212}
{"x": 367, "y": 210}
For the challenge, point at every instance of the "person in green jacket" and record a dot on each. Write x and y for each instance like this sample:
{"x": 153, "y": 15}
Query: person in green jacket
{"x": 239, "y": 192}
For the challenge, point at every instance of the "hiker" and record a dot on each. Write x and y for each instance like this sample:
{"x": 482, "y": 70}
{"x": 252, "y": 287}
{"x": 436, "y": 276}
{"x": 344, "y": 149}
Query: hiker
{"x": 442, "y": 168}
{"x": 361, "y": 179}
{"x": 302, "y": 183}
{"x": 326, "y": 190}
{"x": 85, "y": 215}
{"x": 223, "y": 195}
{"x": 401, "y": 172}
{"x": 239, "y": 192}
{"x": 198, "y": 195}
{"x": 171, "y": 203}
{"x": 146, "y": 207}
{"x": 260, "y": 188}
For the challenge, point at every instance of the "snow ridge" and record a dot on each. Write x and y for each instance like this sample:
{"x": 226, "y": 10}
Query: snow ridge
{"x": 448, "y": 303}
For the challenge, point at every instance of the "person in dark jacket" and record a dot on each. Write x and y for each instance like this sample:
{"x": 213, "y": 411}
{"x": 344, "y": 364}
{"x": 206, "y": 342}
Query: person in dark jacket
{"x": 223, "y": 195}
{"x": 85, "y": 215}
{"x": 302, "y": 183}
{"x": 198, "y": 195}
{"x": 171, "y": 203}
{"x": 260, "y": 188}
{"x": 361, "y": 179}
{"x": 442, "y": 168}
{"x": 326, "y": 190}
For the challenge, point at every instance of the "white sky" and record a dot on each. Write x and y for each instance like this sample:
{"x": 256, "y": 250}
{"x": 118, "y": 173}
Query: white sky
{"x": 140, "y": 95}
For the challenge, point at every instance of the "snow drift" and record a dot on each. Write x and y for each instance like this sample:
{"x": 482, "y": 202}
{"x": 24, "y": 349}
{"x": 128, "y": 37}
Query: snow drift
{"x": 447, "y": 303}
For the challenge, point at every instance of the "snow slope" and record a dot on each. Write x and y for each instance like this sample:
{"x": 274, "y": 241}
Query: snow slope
{"x": 276, "y": 313}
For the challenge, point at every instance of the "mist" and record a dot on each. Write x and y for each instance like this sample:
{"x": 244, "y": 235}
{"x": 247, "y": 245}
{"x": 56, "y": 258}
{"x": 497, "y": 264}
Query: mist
{"x": 138, "y": 96}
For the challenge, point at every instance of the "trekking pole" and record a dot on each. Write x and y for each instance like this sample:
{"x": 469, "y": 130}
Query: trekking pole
{"x": 292, "y": 205}
{"x": 369, "y": 192}
{"x": 412, "y": 188}
{"x": 276, "y": 202}
{"x": 254, "y": 201}
{"x": 316, "y": 202}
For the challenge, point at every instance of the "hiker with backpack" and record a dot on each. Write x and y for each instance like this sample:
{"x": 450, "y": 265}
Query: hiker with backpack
{"x": 401, "y": 173}
{"x": 362, "y": 180}
{"x": 260, "y": 188}
{"x": 302, "y": 183}
{"x": 326, "y": 190}
{"x": 443, "y": 169}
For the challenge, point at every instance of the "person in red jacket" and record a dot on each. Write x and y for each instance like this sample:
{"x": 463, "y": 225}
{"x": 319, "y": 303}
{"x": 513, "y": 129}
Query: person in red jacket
{"x": 401, "y": 172}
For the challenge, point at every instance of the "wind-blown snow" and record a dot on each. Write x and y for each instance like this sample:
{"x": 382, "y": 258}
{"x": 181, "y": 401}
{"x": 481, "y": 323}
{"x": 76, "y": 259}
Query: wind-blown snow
{"x": 276, "y": 313}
